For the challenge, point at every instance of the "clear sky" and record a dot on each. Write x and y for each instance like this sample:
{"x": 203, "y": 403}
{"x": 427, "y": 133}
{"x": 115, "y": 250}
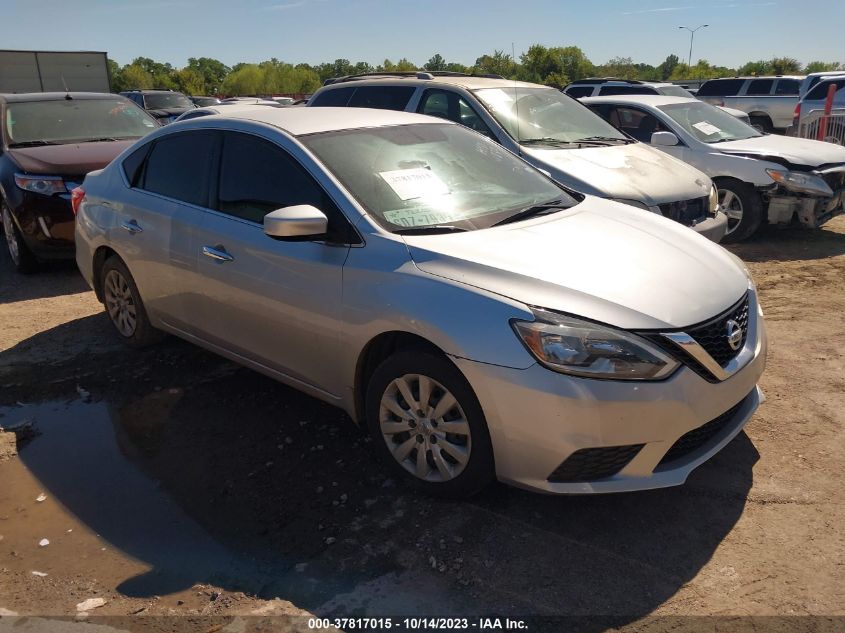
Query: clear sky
{"x": 315, "y": 31}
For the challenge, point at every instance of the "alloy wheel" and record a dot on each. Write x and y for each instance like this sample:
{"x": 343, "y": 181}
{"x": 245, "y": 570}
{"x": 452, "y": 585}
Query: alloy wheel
{"x": 425, "y": 428}
{"x": 731, "y": 205}
{"x": 120, "y": 303}
{"x": 11, "y": 238}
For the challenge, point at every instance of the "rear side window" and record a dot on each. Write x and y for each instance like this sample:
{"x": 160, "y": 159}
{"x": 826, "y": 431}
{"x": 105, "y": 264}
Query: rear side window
{"x": 338, "y": 97}
{"x": 382, "y": 97}
{"x": 579, "y": 91}
{"x": 178, "y": 166}
{"x": 820, "y": 91}
{"x": 627, "y": 90}
{"x": 787, "y": 87}
{"x": 760, "y": 87}
{"x": 720, "y": 88}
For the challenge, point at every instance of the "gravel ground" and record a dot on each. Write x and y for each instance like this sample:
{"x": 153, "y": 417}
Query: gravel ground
{"x": 176, "y": 483}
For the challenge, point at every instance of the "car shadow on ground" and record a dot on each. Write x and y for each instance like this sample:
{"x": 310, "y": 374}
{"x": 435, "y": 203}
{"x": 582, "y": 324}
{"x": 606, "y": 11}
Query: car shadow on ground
{"x": 212, "y": 473}
{"x": 53, "y": 279}
{"x": 790, "y": 244}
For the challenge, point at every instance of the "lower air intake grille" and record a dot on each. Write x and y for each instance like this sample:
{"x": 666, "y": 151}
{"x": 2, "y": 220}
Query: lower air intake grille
{"x": 588, "y": 464}
{"x": 698, "y": 437}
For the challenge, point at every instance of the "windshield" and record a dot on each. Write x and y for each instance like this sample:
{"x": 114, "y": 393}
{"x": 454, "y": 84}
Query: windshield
{"x": 432, "y": 175}
{"x": 708, "y": 123}
{"x": 167, "y": 100}
{"x": 675, "y": 91}
{"x": 75, "y": 120}
{"x": 545, "y": 114}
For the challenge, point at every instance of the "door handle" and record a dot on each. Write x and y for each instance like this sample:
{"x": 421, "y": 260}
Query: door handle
{"x": 132, "y": 227}
{"x": 217, "y": 253}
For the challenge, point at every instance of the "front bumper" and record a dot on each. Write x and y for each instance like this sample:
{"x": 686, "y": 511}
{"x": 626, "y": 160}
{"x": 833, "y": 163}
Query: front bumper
{"x": 539, "y": 418}
{"x": 714, "y": 228}
{"x": 46, "y": 222}
{"x": 811, "y": 212}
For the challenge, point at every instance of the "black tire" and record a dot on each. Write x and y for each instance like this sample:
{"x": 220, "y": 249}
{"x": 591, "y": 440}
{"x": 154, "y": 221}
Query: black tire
{"x": 745, "y": 198}
{"x": 479, "y": 469}
{"x": 22, "y": 258}
{"x": 762, "y": 123}
{"x": 118, "y": 285}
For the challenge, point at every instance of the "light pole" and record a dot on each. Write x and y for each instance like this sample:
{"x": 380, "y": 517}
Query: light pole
{"x": 691, "y": 37}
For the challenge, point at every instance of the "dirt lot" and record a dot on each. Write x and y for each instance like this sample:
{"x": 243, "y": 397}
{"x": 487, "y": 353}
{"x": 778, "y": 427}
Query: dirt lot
{"x": 179, "y": 483}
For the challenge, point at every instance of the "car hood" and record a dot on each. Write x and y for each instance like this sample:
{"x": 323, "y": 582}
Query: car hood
{"x": 795, "y": 151}
{"x": 601, "y": 260}
{"x": 70, "y": 159}
{"x": 629, "y": 172}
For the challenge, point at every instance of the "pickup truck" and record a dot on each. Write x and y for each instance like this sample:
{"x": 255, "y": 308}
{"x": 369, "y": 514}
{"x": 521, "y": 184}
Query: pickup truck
{"x": 769, "y": 101}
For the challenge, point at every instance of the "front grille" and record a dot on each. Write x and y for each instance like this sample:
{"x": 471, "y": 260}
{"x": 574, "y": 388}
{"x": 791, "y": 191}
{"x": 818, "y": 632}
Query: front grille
{"x": 698, "y": 437}
{"x": 589, "y": 464}
{"x": 713, "y": 337}
{"x": 687, "y": 212}
{"x": 835, "y": 180}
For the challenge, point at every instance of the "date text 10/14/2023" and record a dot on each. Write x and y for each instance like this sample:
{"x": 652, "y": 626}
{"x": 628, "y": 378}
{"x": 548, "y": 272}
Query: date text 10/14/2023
{"x": 417, "y": 623}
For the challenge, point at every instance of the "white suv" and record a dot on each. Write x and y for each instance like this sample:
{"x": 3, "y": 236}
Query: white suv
{"x": 609, "y": 87}
{"x": 550, "y": 130}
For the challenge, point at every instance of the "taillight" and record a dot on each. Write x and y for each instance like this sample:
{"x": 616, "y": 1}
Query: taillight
{"x": 797, "y": 114}
{"x": 76, "y": 196}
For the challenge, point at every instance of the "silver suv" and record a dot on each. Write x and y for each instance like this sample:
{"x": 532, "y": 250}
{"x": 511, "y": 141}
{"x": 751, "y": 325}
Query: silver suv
{"x": 550, "y": 130}
{"x": 612, "y": 87}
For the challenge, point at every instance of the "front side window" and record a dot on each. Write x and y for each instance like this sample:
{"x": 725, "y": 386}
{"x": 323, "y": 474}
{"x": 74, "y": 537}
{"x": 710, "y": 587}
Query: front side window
{"x": 257, "y": 177}
{"x": 431, "y": 174}
{"x": 382, "y": 97}
{"x": 178, "y": 167}
{"x": 820, "y": 91}
{"x": 760, "y": 87}
{"x": 787, "y": 87}
{"x": 708, "y": 123}
{"x": 675, "y": 91}
{"x": 545, "y": 116}
{"x": 450, "y": 105}
{"x": 638, "y": 123}
{"x": 576, "y": 92}
{"x": 74, "y": 121}
{"x": 336, "y": 98}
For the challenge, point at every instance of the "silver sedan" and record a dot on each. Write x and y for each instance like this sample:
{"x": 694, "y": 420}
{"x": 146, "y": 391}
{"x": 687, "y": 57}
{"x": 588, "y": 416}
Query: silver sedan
{"x": 478, "y": 318}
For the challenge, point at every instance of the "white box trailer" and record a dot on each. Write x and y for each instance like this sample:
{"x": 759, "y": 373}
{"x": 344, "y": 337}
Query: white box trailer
{"x": 54, "y": 71}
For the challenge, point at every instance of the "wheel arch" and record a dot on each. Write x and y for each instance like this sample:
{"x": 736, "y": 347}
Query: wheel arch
{"x": 102, "y": 254}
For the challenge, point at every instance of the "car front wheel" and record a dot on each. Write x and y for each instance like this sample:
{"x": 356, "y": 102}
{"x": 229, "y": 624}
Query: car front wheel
{"x": 124, "y": 306}
{"x": 22, "y": 258}
{"x": 428, "y": 425}
{"x": 743, "y": 206}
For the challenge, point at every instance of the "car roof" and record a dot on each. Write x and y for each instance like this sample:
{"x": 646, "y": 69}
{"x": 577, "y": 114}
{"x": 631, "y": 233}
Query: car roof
{"x": 652, "y": 100}
{"x": 470, "y": 82}
{"x": 55, "y": 96}
{"x": 760, "y": 77}
{"x": 302, "y": 121}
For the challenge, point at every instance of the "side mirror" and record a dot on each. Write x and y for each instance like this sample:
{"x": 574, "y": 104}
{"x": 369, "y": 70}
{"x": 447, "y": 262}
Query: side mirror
{"x": 298, "y": 221}
{"x": 666, "y": 139}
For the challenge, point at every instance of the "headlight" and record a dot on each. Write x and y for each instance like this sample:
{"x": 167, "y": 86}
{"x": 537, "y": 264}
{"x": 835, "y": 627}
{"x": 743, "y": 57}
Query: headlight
{"x": 47, "y": 185}
{"x": 713, "y": 201}
{"x": 800, "y": 182}
{"x": 581, "y": 348}
{"x": 633, "y": 203}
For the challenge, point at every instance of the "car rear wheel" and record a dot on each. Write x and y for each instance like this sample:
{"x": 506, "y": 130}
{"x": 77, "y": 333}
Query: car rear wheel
{"x": 124, "y": 306}
{"x": 743, "y": 206}
{"x": 761, "y": 124}
{"x": 22, "y": 258}
{"x": 427, "y": 424}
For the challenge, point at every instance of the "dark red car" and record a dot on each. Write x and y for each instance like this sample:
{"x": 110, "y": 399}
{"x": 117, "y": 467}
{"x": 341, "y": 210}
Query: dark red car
{"x": 48, "y": 142}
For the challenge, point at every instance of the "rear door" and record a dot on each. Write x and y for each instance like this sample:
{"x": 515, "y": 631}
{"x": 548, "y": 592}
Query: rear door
{"x": 275, "y": 303}
{"x": 156, "y": 229}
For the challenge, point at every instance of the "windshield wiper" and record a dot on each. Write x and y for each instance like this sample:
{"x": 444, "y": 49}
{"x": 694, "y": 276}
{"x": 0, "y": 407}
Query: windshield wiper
{"x": 430, "y": 229}
{"x": 608, "y": 139}
{"x": 107, "y": 138}
{"x": 33, "y": 144}
{"x": 534, "y": 210}
{"x": 546, "y": 140}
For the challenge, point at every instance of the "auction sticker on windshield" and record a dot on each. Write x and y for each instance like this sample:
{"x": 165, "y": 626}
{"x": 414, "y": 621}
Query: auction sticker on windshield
{"x": 414, "y": 183}
{"x": 707, "y": 128}
{"x": 421, "y": 217}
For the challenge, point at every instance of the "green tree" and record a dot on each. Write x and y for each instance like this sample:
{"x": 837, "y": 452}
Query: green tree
{"x": 820, "y": 67}
{"x": 455, "y": 67}
{"x": 785, "y": 66}
{"x": 620, "y": 67}
{"x": 135, "y": 77}
{"x": 436, "y": 62}
{"x": 499, "y": 63}
{"x": 668, "y": 66}
{"x": 115, "y": 75}
{"x": 212, "y": 71}
{"x": 246, "y": 80}
{"x": 190, "y": 81}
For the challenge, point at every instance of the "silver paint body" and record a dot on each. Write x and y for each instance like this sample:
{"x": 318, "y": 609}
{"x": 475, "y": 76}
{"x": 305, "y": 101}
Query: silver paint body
{"x": 303, "y": 312}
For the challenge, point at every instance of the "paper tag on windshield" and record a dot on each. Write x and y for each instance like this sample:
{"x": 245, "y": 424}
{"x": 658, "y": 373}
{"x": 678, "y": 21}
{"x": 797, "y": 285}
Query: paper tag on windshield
{"x": 420, "y": 217}
{"x": 414, "y": 183}
{"x": 707, "y": 128}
